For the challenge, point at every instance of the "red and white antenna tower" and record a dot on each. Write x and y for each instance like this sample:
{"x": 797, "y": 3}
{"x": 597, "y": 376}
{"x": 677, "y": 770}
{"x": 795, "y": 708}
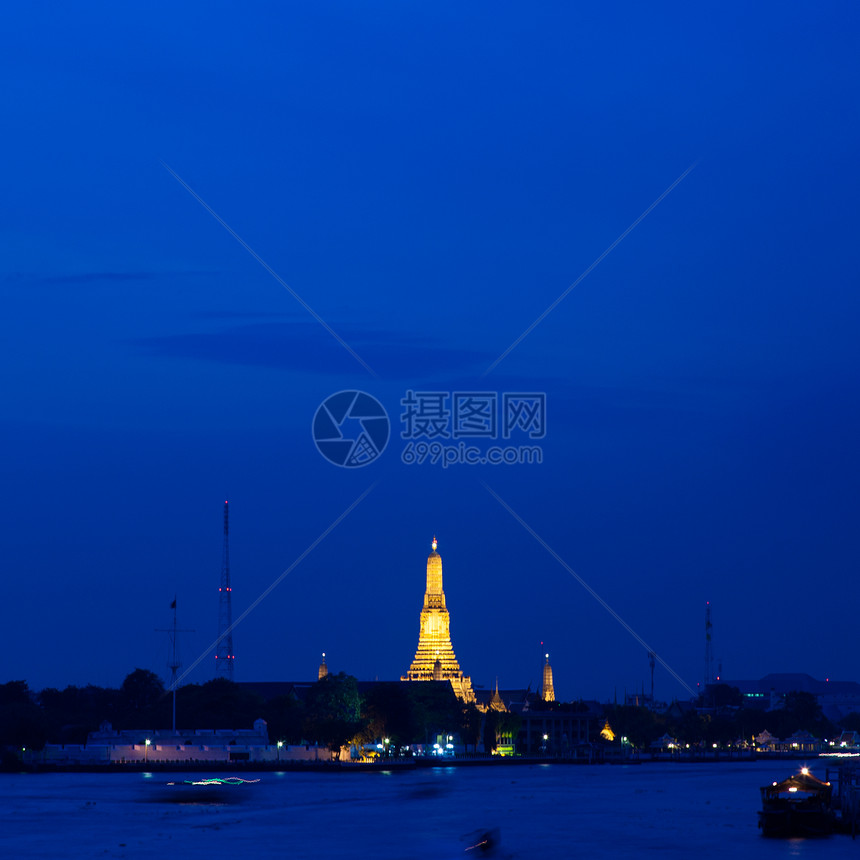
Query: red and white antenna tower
{"x": 709, "y": 651}
{"x": 224, "y": 656}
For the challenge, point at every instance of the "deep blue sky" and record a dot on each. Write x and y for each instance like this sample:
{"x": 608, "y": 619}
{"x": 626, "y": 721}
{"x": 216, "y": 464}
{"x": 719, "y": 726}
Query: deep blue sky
{"x": 429, "y": 178}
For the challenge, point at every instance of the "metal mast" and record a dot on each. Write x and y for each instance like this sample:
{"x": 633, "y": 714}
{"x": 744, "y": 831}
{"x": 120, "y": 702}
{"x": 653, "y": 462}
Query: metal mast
{"x": 174, "y": 663}
{"x": 652, "y": 659}
{"x": 709, "y": 653}
{"x": 224, "y": 652}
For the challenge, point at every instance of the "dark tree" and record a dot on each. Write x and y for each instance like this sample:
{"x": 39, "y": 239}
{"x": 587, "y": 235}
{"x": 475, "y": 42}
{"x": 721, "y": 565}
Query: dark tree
{"x": 141, "y": 690}
{"x": 720, "y": 729}
{"x": 803, "y": 708}
{"x": 74, "y": 712}
{"x": 470, "y": 725}
{"x": 217, "y": 704}
{"x": 389, "y": 711}
{"x": 22, "y": 722}
{"x": 800, "y": 712}
{"x": 750, "y": 722}
{"x": 722, "y": 696}
{"x": 285, "y": 716}
{"x": 851, "y": 723}
{"x": 15, "y": 693}
{"x": 636, "y": 723}
{"x": 333, "y": 711}
{"x": 438, "y": 711}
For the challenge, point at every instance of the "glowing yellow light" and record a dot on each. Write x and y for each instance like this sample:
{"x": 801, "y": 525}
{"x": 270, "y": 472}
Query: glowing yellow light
{"x": 793, "y": 788}
{"x": 434, "y": 543}
{"x": 805, "y": 771}
{"x": 148, "y": 742}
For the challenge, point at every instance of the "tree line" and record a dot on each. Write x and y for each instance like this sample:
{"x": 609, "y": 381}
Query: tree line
{"x": 331, "y": 713}
{"x": 721, "y": 717}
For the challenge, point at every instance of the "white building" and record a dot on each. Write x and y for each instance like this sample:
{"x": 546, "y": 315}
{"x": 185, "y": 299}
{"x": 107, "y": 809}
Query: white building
{"x": 141, "y": 746}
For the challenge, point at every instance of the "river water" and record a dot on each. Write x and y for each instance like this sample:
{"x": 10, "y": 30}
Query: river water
{"x": 656, "y": 810}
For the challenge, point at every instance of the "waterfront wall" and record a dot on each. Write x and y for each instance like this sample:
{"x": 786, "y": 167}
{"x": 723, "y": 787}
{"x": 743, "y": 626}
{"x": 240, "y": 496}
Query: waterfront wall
{"x": 85, "y": 754}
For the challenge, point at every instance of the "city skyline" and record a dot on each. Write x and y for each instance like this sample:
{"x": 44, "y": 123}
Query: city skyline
{"x": 617, "y": 245}
{"x": 205, "y": 665}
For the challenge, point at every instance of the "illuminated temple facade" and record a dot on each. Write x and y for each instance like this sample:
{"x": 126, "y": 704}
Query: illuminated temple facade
{"x": 547, "y": 691}
{"x": 435, "y": 659}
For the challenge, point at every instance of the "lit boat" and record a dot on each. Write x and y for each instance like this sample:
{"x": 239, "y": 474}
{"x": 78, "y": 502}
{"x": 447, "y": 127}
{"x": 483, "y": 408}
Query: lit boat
{"x": 212, "y": 790}
{"x": 797, "y": 806}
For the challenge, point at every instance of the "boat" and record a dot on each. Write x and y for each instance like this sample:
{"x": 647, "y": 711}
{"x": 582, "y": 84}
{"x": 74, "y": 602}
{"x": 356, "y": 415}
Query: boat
{"x": 212, "y": 790}
{"x": 798, "y": 806}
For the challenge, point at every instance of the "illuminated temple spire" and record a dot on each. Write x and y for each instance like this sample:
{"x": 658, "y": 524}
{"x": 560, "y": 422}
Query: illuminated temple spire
{"x": 547, "y": 693}
{"x": 496, "y": 702}
{"x": 323, "y": 669}
{"x": 435, "y": 658}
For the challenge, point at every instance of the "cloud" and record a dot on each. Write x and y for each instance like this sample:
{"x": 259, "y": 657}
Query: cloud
{"x": 82, "y": 278}
{"x": 283, "y": 341}
{"x": 247, "y": 315}
{"x": 302, "y": 346}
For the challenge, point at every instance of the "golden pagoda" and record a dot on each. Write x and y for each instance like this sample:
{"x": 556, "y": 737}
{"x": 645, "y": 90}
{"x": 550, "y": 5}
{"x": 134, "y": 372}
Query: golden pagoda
{"x": 323, "y": 671}
{"x": 496, "y": 701}
{"x": 435, "y": 659}
{"x": 547, "y": 693}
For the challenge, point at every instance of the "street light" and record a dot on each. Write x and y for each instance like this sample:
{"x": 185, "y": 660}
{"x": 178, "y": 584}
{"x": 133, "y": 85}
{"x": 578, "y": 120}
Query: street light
{"x": 146, "y": 744}
{"x": 280, "y": 744}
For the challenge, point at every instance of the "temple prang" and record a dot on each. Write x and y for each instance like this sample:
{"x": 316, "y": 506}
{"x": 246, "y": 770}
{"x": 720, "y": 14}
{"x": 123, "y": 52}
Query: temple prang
{"x": 435, "y": 659}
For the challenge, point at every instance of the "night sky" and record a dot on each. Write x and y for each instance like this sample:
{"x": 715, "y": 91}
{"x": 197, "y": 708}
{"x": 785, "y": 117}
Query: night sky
{"x": 429, "y": 178}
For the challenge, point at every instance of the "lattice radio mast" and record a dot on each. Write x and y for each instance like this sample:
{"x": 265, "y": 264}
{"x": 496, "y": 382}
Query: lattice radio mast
{"x": 652, "y": 660}
{"x": 224, "y": 652}
{"x": 709, "y": 651}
